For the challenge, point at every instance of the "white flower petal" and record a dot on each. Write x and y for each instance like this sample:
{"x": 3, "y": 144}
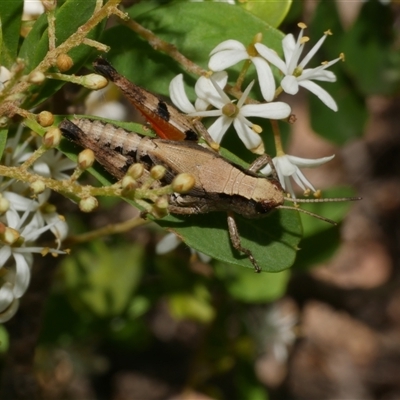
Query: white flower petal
{"x": 203, "y": 257}
{"x": 228, "y": 45}
{"x": 5, "y": 253}
{"x": 225, "y": 59}
{"x": 9, "y": 312}
{"x": 290, "y": 85}
{"x": 302, "y": 181}
{"x": 271, "y": 56}
{"x": 275, "y": 110}
{"x": 168, "y": 243}
{"x": 322, "y": 94}
{"x": 288, "y": 46}
{"x": 318, "y": 74}
{"x": 178, "y": 95}
{"x": 6, "y": 296}
{"x": 218, "y": 129}
{"x": 244, "y": 95}
{"x": 284, "y": 165}
{"x": 250, "y": 139}
{"x": 59, "y": 227}
{"x": 309, "y": 163}
{"x": 201, "y": 105}
{"x": 41, "y": 168}
{"x": 312, "y": 52}
{"x": 33, "y": 7}
{"x": 23, "y": 275}
{"x": 207, "y": 91}
{"x": 5, "y": 75}
{"x": 265, "y": 77}
{"x": 208, "y": 113}
{"x": 18, "y": 202}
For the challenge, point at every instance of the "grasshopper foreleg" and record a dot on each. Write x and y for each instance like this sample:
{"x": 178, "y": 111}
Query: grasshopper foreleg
{"x": 261, "y": 162}
{"x": 236, "y": 243}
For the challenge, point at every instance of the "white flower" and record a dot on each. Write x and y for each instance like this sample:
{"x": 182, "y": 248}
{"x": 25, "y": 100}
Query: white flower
{"x": 52, "y": 164}
{"x": 279, "y": 331}
{"x": 18, "y": 241}
{"x": 170, "y": 242}
{"x": 288, "y": 167}
{"x": 8, "y": 302}
{"x": 5, "y": 75}
{"x": 230, "y": 52}
{"x": 105, "y": 103}
{"x": 32, "y": 8}
{"x": 204, "y": 89}
{"x": 229, "y": 113}
{"x": 295, "y": 74}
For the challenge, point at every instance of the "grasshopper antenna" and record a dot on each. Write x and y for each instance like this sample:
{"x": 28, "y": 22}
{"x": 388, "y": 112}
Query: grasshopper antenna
{"x": 327, "y": 200}
{"x": 330, "y": 221}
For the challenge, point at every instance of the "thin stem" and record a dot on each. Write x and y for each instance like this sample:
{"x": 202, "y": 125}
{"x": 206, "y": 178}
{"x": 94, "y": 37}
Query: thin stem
{"x": 242, "y": 75}
{"x": 51, "y": 20}
{"x": 277, "y": 138}
{"x": 168, "y": 48}
{"x": 111, "y": 229}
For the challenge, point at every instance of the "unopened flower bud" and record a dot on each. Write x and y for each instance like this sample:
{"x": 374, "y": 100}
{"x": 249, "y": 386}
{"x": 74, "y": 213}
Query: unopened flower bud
{"x": 182, "y": 183}
{"x": 49, "y": 5}
{"x": 52, "y": 137}
{"x": 64, "y": 62}
{"x": 88, "y": 204}
{"x": 162, "y": 203}
{"x": 135, "y": 170}
{"x": 45, "y": 118}
{"x": 86, "y": 158}
{"x": 38, "y": 186}
{"x": 3, "y": 120}
{"x": 4, "y": 205}
{"x": 36, "y": 77}
{"x": 128, "y": 183}
{"x": 158, "y": 172}
{"x": 2, "y": 228}
{"x": 94, "y": 81}
{"x": 10, "y": 236}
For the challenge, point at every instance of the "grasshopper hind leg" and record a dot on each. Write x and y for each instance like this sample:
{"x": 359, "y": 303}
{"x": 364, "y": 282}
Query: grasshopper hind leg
{"x": 236, "y": 242}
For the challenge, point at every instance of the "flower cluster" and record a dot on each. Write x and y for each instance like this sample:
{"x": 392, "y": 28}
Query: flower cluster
{"x": 23, "y": 219}
{"x": 213, "y": 101}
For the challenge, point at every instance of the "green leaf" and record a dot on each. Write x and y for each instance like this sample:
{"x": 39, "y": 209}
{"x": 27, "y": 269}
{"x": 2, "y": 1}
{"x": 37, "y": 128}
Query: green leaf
{"x": 3, "y": 140}
{"x": 11, "y": 13}
{"x": 246, "y": 286}
{"x": 195, "y": 305}
{"x": 36, "y": 45}
{"x": 272, "y": 240}
{"x": 271, "y": 11}
{"x": 321, "y": 240}
{"x": 104, "y": 278}
{"x": 194, "y": 28}
{"x": 369, "y": 49}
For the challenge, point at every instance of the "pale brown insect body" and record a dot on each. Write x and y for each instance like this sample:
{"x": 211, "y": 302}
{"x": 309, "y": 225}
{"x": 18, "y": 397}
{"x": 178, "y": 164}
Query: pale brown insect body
{"x": 220, "y": 184}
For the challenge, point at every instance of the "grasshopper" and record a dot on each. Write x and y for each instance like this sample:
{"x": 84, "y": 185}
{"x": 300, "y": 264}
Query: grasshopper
{"x": 220, "y": 184}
